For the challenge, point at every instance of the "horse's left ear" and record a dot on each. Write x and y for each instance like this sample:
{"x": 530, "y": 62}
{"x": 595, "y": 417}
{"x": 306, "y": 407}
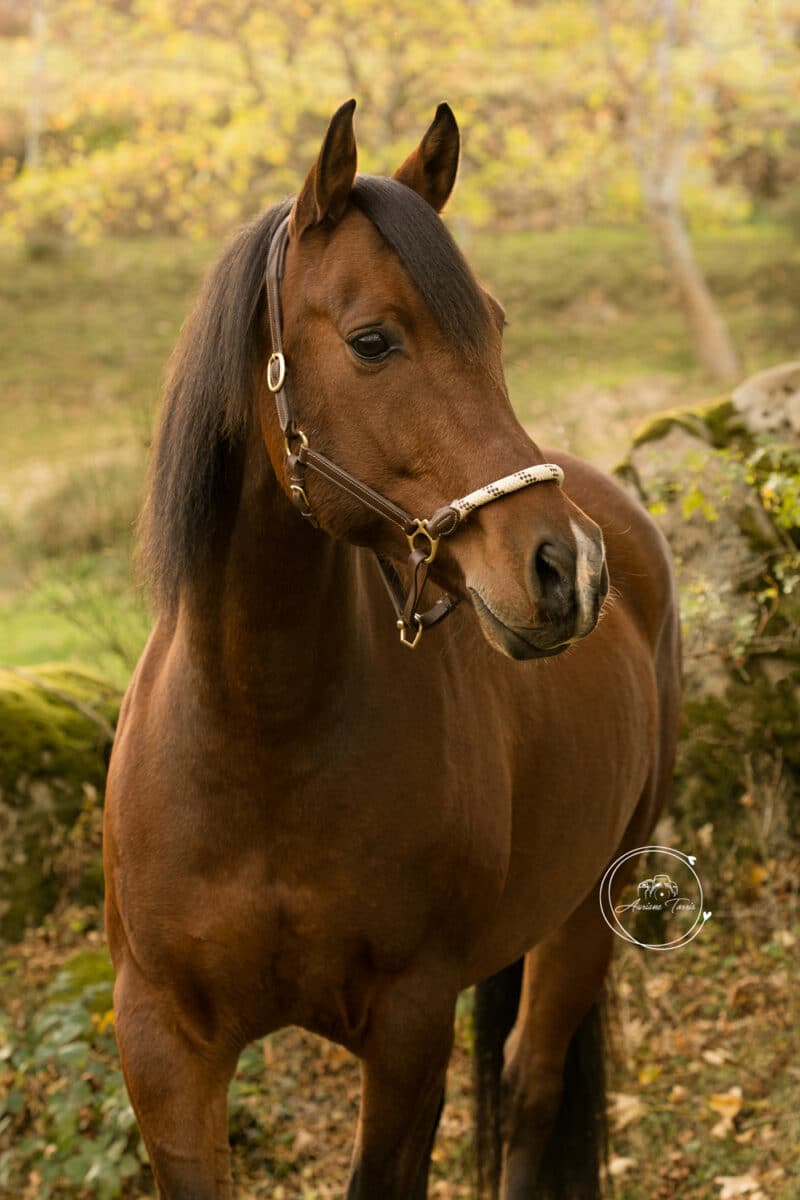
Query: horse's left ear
{"x": 323, "y": 196}
{"x": 431, "y": 169}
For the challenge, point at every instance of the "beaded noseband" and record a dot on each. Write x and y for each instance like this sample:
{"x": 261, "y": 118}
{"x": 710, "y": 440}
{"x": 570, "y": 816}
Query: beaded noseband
{"x": 423, "y": 535}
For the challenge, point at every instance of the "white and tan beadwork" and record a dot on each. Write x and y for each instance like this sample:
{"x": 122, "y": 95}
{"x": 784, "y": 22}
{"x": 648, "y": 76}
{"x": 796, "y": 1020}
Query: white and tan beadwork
{"x": 544, "y": 473}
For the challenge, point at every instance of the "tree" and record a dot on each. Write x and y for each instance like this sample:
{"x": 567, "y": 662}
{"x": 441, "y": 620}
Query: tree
{"x": 664, "y": 93}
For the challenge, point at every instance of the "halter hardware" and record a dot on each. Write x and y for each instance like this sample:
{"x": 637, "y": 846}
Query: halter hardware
{"x": 421, "y": 530}
{"x": 275, "y": 382}
{"x": 298, "y": 433}
{"x": 404, "y": 639}
{"x": 445, "y": 521}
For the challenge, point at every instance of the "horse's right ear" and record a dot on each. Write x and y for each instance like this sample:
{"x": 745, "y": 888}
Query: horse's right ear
{"x": 324, "y": 195}
{"x": 430, "y": 170}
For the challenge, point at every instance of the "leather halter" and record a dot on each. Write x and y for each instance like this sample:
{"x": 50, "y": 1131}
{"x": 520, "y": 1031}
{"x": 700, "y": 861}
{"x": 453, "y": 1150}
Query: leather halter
{"x": 422, "y": 535}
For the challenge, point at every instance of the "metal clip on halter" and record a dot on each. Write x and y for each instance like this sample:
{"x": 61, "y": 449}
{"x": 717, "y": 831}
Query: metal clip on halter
{"x": 404, "y": 640}
{"x": 422, "y": 530}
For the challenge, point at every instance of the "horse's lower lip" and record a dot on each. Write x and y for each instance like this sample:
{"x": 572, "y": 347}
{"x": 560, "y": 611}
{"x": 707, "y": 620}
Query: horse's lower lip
{"x": 518, "y": 642}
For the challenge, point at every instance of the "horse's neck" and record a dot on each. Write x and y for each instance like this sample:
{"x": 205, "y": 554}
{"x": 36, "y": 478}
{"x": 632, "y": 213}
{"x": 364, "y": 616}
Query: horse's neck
{"x": 272, "y": 620}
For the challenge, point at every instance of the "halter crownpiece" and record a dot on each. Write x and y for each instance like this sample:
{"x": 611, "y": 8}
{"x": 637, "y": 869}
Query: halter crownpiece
{"x": 422, "y": 534}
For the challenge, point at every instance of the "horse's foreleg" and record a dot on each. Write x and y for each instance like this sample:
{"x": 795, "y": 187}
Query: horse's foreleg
{"x": 562, "y": 981}
{"x": 178, "y": 1089}
{"x": 403, "y": 1073}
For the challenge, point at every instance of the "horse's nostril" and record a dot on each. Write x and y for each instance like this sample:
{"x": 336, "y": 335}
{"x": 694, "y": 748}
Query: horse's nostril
{"x": 605, "y": 582}
{"x": 554, "y": 573}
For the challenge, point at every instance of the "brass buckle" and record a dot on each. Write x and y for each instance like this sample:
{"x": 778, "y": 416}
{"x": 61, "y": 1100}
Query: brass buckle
{"x": 421, "y": 529}
{"x": 298, "y": 433}
{"x": 276, "y": 360}
{"x": 401, "y": 625}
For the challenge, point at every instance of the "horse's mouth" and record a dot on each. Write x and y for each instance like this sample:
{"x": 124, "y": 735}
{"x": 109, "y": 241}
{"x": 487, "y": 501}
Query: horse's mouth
{"x": 515, "y": 641}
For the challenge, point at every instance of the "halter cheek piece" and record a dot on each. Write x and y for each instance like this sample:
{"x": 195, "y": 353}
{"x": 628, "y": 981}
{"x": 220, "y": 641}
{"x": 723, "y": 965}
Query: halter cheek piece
{"x": 422, "y": 535}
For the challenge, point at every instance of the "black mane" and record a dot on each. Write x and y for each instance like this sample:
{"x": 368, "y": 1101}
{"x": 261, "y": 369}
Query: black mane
{"x": 210, "y": 384}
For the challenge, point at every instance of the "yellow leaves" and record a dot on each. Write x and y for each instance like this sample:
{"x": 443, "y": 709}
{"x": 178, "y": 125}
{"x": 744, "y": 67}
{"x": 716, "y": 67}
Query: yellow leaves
{"x": 727, "y": 1105}
{"x": 103, "y": 1021}
{"x": 649, "y": 1073}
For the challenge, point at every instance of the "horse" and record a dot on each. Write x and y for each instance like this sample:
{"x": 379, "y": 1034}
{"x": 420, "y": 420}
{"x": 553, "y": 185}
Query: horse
{"x": 335, "y": 809}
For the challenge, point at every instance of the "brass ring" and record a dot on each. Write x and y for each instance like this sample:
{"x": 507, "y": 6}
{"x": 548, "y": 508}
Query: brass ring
{"x": 298, "y": 433}
{"x": 276, "y": 360}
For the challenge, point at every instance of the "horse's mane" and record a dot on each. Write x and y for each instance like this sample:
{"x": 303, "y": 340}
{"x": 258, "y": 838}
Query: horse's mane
{"x": 197, "y": 457}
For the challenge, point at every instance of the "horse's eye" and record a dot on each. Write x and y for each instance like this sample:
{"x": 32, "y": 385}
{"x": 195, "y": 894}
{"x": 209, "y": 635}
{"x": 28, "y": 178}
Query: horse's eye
{"x": 370, "y": 346}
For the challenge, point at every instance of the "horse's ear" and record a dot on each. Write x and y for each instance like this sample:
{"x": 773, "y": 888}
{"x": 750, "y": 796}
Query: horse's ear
{"x": 323, "y": 196}
{"x": 431, "y": 169}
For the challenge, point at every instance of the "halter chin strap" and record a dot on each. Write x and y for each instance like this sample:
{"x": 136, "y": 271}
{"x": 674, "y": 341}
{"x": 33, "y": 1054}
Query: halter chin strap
{"x": 423, "y": 535}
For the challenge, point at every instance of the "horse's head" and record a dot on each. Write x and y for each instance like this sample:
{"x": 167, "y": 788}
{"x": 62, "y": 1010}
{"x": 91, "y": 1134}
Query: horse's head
{"x": 394, "y": 354}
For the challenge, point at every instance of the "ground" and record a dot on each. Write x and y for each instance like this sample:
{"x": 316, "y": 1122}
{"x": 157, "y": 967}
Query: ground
{"x": 702, "y": 1101}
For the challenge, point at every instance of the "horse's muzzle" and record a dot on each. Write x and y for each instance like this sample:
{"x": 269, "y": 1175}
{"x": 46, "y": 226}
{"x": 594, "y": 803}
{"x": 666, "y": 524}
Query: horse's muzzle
{"x": 567, "y": 583}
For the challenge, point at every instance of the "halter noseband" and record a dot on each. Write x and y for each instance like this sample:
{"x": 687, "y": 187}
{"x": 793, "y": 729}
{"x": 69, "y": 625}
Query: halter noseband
{"x": 422, "y": 535}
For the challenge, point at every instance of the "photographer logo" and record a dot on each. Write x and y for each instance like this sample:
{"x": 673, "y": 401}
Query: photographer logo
{"x": 667, "y": 901}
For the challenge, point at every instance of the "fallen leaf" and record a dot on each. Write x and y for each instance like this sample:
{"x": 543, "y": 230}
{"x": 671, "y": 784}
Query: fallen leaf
{"x": 618, "y": 1165}
{"x": 705, "y": 835}
{"x": 736, "y": 1185}
{"x": 625, "y": 1110}
{"x": 303, "y": 1142}
{"x": 727, "y": 1103}
{"x": 658, "y": 986}
{"x": 716, "y": 1057}
{"x": 635, "y": 1032}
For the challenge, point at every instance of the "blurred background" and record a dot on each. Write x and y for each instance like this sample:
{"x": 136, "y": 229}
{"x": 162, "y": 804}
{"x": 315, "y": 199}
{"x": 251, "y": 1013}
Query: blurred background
{"x": 630, "y": 190}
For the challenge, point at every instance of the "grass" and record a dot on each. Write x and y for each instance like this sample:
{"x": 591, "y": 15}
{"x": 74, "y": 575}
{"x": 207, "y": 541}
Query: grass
{"x": 595, "y": 342}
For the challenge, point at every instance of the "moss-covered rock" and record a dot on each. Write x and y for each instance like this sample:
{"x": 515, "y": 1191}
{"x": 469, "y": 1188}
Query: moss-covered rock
{"x": 56, "y": 729}
{"x": 723, "y": 481}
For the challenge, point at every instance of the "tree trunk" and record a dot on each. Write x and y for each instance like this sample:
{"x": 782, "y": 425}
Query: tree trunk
{"x": 35, "y": 118}
{"x": 710, "y": 334}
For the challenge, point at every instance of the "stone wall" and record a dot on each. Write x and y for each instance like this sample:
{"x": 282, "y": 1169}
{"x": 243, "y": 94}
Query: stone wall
{"x": 723, "y": 481}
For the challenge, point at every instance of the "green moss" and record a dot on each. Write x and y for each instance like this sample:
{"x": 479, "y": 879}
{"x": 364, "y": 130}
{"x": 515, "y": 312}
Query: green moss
{"x": 56, "y": 728}
{"x": 42, "y": 735}
{"x": 714, "y": 422}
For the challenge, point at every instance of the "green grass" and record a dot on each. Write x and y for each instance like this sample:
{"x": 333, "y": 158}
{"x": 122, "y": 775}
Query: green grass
{"x": 595, "y": 343}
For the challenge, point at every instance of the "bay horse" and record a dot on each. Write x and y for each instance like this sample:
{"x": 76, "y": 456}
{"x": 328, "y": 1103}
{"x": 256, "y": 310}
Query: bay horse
{"x": 306, "y": 823}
